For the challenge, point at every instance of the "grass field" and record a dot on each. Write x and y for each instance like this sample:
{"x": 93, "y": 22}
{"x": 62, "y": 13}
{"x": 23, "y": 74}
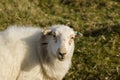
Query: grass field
{"x": 97, "y": 53}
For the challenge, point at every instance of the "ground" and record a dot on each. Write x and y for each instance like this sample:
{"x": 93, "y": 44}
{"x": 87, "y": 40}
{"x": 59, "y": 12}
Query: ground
{"x": 97, "y": 53}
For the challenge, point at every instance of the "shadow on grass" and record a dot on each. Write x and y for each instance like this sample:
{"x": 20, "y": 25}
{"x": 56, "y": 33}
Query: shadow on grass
{"x": 103, "y": 31}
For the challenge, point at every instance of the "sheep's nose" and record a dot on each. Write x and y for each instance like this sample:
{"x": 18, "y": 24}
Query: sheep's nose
{"x": 61, "y": 55}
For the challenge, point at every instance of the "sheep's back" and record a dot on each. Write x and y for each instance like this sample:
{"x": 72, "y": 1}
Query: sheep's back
{"x": 13, "y": 47}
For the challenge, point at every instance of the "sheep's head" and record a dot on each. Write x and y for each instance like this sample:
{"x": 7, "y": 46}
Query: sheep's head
{"x": 59, "y": 41}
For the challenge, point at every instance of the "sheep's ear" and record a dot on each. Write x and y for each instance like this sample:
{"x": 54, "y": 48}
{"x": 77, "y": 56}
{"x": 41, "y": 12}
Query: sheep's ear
{"x": 47, "y": 32}
{"x": 78, "y": 34}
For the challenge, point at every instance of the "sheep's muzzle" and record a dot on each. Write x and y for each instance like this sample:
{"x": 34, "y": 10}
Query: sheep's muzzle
{"x": 61, "y": 56}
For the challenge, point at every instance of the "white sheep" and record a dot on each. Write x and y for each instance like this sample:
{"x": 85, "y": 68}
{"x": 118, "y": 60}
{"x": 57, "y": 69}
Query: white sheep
{"x": 29, "y": 53}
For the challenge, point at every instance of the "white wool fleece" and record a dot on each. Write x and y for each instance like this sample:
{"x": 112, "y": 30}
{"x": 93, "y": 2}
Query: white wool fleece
{"x": 26, "y": 53}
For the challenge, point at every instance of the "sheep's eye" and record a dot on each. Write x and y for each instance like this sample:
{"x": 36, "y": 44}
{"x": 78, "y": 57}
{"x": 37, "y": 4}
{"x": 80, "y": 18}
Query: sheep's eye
{"x": 54, "y": 35}
{"x": 72, "y": 37}
{"x": 71, "y": 40}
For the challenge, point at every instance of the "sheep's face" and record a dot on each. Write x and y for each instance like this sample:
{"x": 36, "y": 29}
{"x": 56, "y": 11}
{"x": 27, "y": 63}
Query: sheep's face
{"x": 59, "y": 42}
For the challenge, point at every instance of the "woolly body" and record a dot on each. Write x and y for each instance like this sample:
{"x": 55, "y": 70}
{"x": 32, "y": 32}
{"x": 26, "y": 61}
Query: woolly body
{"x": 22, "y": 59}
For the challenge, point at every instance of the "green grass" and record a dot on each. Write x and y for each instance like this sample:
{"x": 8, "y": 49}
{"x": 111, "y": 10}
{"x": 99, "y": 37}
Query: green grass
{"x": 97, "y": 53}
